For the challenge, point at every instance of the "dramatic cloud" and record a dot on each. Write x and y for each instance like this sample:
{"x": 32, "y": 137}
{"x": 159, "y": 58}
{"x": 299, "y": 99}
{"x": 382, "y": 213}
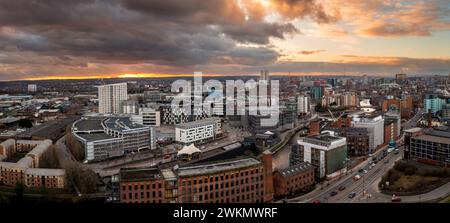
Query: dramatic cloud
{"x": 309, "y": 52}
{"x": 108, "y": 37}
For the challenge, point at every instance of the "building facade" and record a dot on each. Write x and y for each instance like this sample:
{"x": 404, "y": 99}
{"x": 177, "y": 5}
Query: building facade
{"x": 111, "y": 97}
{"x": 293, "y": 179}
{"x": 328, "y": 154}
{"x": 374, "y": 125}
{"x": 107, "y": 137}
{"x": 198, "y": 132}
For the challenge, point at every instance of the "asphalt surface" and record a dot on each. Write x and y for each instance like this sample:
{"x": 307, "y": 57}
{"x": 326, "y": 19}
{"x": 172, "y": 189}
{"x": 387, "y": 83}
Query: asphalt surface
{"x": 366, "y": 188}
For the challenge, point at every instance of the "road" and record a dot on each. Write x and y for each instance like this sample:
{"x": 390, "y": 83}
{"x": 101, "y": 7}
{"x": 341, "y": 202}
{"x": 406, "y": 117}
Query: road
{"x": 366, "y": 187}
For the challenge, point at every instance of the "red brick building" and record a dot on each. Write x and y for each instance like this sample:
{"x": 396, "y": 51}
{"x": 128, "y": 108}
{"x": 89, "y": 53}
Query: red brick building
{"x": 245, "y": 180}
{"x": 293, "y": 179}
{"x": 144, "y": 185}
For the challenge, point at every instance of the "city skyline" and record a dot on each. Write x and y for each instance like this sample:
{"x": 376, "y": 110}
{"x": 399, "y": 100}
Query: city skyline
{"x": 134, "y": 38}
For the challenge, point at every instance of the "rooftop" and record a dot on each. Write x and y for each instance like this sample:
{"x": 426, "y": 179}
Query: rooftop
{"x": 45, "y": 172}
{"x": 139, "y": 174}
{"x": 90, "y": 124}
{"x": 432, "y": 138}
{"x": 94, "y": 136}
{"x": 206, "y": 121}
{"x": 121, "y": 124}
{"x": 293, "y": 170}
{"x": 216, "y": 167}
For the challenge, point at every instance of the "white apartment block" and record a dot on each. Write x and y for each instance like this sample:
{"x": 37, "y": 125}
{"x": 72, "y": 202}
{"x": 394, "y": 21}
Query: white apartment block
{"x": 110, "y": 98}
{"x": 32, "y": 88}
{"x": 198, "y": 132}
{"x": 325, "y": 152}
{"x": 303, "y": 103}
{"x": 375, "y": 127}
{"x": 147, "y": 116}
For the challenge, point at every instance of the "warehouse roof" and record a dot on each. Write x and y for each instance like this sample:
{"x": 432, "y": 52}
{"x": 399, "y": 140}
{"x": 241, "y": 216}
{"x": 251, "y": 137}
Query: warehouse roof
{"x": 216, "y": 167}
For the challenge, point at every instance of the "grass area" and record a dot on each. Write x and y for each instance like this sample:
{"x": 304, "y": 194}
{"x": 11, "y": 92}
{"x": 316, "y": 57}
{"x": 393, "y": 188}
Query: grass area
{"x": 411, "y": 178}
{"x": 446, "y": 200}
{"x": 14, "y": 158}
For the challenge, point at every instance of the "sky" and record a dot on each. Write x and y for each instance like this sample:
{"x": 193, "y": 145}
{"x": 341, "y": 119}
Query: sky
{"x": 54, "y": 39}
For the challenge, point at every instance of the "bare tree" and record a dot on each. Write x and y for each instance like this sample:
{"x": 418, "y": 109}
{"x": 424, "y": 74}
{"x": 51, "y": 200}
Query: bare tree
{"x": 75, "y": 146}
{"x": 81, "y": 177}
{"x": 49, "y": 159}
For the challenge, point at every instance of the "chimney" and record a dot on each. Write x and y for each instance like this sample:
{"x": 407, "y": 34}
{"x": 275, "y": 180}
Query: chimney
{"x": 266, "y": 159}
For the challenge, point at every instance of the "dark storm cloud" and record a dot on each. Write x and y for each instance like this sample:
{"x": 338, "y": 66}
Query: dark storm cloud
{"x": 166, "y": 32}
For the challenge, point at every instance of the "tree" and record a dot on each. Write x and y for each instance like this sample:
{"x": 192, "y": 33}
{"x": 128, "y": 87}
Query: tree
{"x": 19, "y": 189}
{"x": 49, "y": 159}
{"x": 81, "y": 177}
{"x": 75, "y": 146}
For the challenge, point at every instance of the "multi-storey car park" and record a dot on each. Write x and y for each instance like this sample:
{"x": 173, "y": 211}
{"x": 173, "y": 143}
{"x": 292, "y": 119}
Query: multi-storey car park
{"x": 104, "y": 137}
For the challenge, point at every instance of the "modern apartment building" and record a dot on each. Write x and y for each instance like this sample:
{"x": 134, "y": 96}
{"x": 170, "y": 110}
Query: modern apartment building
{"x": 304, "y": 105}
{"x": 147, "y": 116}
{"x": 198, "y": 132}
{"x": 32, "y": 88}
{"x": 327, "y": 153}
{"x": 111, "y": 98}
{"x": 433, "y": 102}
{"x": 431, "y": 147}
{"x": 374, "y": 125}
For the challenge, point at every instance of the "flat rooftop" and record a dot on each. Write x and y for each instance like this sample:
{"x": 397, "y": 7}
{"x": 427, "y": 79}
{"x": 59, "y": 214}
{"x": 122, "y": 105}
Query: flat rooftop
{"x": 206, "y": 121}
{"x": 121, "y": 123}
{"x": 140, "y": 174}
{"x": 90, "y": 124}
{"x": 94, "y": 136}
{"x": 432, "y": 138}
{"x": 217, "y": 167}
{"x": 323, "y": 138}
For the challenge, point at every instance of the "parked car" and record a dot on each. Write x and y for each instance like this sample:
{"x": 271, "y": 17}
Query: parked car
{"x": 351, "y": 195}
{"x": 341, "y": 188}
{"x": 333, "y": 193}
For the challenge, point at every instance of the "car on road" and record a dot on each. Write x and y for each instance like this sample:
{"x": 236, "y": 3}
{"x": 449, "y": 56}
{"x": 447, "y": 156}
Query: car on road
{"x": 341, "y": 188}
{"x": 374, "y": 164}
{"x": 365, "y": 171}
{"x": 396, "y": 198}
{"x": 356, "y": 177}
{"x": 317, "y": 201}
{"x": 333, "y": 193}
{"x": 360, "y": 170}
{"x": 351, "y": 195}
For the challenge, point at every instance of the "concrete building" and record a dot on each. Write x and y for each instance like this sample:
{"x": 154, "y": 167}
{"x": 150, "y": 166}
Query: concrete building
{"x": 198, "y": 132}
{"x": 374, "y": 125}
{"x": 106, "y": 137}
{"x": 349, "y": 99}
{"x": 111, "y": 97}
{"x": 293, "y": 179}
{"x": 304, "y": 105}
{"x": 328, "y": 154}
{"x": 130, "y": 107}
{"x": 148, "y": 117}
{"x": 431, "y": 147}
{"x": 392, "y": 126}
{"x": 433, "y": 102}
{"x": 32, "y": 88}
